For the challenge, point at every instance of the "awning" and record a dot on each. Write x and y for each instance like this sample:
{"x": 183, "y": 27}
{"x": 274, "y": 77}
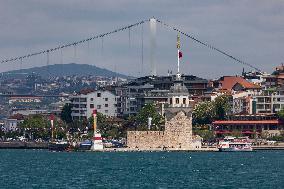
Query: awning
{"x": 246, "y": 122}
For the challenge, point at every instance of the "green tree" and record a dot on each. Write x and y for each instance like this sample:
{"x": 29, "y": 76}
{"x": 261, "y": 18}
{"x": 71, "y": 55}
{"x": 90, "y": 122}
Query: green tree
{"x": 102, "y": 124}
{"x": 129, "y": 123}
{"x": 76, "y": 126}
{"x": 36, "y": 126}
{"x": 107, "y": 128}
{"x": 141, "y": 119}
{"x": 2, "y": 134}
{"x": 203, "y": 113}
{"x": 66, "y": 113}
{"x": 39, "y": 127}
{"x": 279, "y": 138}
{"x": 206, "y": 112}
{"x": 280, "y": 114}
{"x": 12, "y": 134}
{"x": 207, "y": 135}
{"x": 222, "y": 107}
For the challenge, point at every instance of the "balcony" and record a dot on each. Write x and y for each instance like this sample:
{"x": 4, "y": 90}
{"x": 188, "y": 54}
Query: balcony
{"x": 79, "y": 102}
{"x": 78, "y": 108}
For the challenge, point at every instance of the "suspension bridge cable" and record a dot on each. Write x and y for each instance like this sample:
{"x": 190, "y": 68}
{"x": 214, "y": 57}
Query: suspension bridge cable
{"x": 13, "y": 59}
{"x": 124, "y": 28}
{"x": 207, "y": 45}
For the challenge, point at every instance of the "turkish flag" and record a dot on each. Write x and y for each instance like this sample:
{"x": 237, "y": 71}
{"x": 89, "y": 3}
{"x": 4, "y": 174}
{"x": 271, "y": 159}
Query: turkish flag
{"x": 179, "y": 54}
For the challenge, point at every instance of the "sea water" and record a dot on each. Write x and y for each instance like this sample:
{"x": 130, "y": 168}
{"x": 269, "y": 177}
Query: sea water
{"x": 45, "y": 169}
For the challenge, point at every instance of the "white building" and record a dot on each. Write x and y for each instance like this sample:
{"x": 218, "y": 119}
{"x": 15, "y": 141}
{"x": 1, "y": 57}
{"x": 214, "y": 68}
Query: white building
{"x": 269, "y": 103}
{"x": 83, "y": 104}
{"x": 25, "y": 99}
{"x": 11, "y": 124}
{"x": 27, "y": 112}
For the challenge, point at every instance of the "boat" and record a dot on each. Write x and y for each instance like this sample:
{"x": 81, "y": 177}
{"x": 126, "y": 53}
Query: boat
{"x": 233, "y": 144}
{"x": 58, "y": 146}
{"x": 85, "y": 145}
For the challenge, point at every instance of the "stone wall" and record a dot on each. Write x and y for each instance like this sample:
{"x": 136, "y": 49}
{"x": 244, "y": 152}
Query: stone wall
{"x": 177, "y": 135}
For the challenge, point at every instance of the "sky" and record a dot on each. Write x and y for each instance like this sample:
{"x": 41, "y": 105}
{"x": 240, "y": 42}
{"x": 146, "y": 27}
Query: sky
{"x": 251, "y": 30}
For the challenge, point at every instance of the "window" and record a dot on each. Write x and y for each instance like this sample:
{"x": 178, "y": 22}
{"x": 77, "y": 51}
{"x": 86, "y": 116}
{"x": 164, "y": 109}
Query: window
{"x": 106, "y": 105}
{"x": 92, "y": 99}
{"x": 106, "y": 111}
{"x": 92, "y": 106}
{"x": 99, "y": 94}
{"x": 99, "y": 106}
{"x": 106, "y": 99}
{"x": 177, "y": 100}
{"x": 184, "y": 100}
{"x": 171, "y": 101}
{"x": 83, "y": 106}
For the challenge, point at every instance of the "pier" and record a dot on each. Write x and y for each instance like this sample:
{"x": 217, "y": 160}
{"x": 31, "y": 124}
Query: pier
{"x": 268, "y": 147}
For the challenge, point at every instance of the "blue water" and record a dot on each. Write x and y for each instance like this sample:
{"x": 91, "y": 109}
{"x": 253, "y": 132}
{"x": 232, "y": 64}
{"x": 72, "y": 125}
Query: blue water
{"x": 44, "y": 169}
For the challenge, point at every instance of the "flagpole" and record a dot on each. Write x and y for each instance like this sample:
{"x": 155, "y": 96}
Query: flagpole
{"x": 178, "y": 61}
{"x": 178, "y": 56}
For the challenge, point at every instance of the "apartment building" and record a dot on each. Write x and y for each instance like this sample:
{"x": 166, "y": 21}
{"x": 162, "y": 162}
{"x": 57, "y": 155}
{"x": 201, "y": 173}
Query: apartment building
{"x": 85, "y": 102}
{"x": 270, "y": 101}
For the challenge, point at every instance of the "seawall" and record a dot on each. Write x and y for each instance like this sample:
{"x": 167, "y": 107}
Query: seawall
{"x": 23, "y": 145}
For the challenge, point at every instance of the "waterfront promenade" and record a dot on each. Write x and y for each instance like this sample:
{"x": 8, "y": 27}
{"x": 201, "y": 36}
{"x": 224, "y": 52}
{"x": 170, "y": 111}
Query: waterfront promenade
{"x": 44, "y": 145}
{"x": 23, "y": 145}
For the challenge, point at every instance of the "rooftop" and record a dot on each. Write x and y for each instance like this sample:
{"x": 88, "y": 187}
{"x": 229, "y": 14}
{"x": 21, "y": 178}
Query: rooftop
{"x": 228, "y": 83}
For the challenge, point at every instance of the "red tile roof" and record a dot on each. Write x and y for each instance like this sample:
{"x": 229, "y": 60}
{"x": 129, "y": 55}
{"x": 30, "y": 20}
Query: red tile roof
{"x": 17, "y": 117}
{"x": 86, "y": 91}
{"x": 228, "y": 82}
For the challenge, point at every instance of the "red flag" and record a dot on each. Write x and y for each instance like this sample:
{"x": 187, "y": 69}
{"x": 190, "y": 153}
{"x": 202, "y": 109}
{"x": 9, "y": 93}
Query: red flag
{"x": 179, "y": 54}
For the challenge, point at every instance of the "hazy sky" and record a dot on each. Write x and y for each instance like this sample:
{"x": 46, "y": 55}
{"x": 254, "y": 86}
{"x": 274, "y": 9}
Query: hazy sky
{"x": 252, "y": 30}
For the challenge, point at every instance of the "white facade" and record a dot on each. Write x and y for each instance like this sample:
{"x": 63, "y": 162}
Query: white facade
{"x": 24, "y": 100}
{"x": 242, "y": 102}
{"x": 269, "y": 104}
{"x": 270, "y": 101}
{"x": 11, "y": 124}
{"x": 84, "y": 104}
{"x": 180, "y": 101}
{"x": 27, "y": 112}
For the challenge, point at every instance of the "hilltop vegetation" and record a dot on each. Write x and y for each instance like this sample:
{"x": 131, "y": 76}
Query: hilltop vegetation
{"x": 67, "y": 70}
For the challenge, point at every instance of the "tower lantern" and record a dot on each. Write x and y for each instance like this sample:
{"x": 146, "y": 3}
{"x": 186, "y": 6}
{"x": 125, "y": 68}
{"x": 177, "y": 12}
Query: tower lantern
{"x": 97, "y": 137}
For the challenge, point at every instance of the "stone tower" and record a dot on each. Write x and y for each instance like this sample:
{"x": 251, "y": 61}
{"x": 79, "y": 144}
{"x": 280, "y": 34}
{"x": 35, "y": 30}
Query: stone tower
{"x": 178, "y": 125}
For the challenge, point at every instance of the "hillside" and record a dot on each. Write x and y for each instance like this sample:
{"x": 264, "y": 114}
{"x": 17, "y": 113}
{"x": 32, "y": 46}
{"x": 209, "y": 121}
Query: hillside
{"x": 68, "y": 70}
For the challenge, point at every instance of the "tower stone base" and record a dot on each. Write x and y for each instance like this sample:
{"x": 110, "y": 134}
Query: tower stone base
{"x": 177, "y": 134}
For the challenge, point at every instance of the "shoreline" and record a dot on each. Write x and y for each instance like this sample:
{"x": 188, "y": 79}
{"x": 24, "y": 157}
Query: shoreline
{"x": 23, "y": 145}
{"x": 44, "y": 145}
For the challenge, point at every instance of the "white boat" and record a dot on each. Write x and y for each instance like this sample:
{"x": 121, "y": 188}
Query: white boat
{"x": 233, "y": 144}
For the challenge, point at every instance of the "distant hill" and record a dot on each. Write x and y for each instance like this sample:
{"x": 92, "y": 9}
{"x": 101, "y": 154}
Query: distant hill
{"x": 68, "y": 70}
